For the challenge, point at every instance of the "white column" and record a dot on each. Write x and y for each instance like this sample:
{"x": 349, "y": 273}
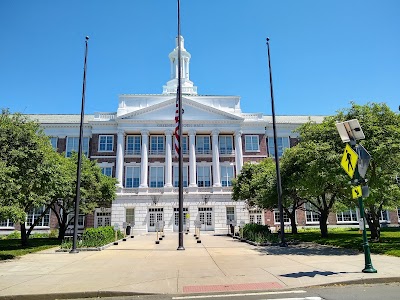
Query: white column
{"x": 144, "y": 163}
{"x": 168, "y": 158}
{"x": 238, "y": 151}
{"x": 119, "y": 166}
{"x": 192, "y": 158}
{"x": 215, "y": 159}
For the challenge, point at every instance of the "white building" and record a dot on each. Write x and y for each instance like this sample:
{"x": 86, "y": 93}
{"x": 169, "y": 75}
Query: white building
{"x": 134, "y": 144}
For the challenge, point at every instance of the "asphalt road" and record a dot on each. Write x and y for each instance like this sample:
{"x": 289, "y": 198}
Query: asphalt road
{"x": 387, "y": 291}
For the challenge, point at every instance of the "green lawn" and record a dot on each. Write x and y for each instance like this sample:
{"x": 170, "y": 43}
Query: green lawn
{"x": 12, "y": 248}
{"x": 352, "y": 239}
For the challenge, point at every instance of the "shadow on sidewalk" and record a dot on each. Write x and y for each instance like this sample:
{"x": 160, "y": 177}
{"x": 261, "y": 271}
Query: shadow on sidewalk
{"x": 305, "y": 249}
{"x": 313, "y": 274}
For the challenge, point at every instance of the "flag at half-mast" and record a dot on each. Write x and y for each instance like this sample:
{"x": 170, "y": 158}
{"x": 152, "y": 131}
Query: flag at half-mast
{"x": 176, "y": 132}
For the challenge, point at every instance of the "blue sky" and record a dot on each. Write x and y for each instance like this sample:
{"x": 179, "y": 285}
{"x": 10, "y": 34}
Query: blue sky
{"x": 324, "y": 53}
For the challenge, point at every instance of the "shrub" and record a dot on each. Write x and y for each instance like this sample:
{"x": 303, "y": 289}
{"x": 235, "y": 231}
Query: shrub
{"x": 53, "y": 233}
{"x": 13, "y": 235}
{"x": 39, "y": 235}
{"x": 258, "y": 233}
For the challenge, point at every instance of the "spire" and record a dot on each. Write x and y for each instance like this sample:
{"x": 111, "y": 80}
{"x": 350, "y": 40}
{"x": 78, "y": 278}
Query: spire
{"x": 172, "y": 84}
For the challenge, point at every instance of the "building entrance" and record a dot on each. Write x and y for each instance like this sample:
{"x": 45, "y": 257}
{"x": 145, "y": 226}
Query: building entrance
{"x": 206, "y": 217}
{"x": 176, "y": 218}
{"x": 155, "y": 214}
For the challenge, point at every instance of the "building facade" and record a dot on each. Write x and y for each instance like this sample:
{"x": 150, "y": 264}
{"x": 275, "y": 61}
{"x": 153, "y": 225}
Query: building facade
{"x": 135, "y": 145}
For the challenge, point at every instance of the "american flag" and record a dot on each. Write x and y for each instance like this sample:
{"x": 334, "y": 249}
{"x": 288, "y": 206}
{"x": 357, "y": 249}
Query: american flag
{"x": 176, "y": 132}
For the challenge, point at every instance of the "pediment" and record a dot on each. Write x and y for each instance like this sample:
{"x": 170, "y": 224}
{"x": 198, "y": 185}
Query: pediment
{"x": 192, "y": 111}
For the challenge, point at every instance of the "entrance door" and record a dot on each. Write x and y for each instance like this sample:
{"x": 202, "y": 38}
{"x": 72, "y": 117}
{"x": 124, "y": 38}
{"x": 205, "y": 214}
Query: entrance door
{"x": 176, "y": 218}
{"x": 103, "y": 218}
{"x": 155, "y": 215}
{"x": 206, "y": 218}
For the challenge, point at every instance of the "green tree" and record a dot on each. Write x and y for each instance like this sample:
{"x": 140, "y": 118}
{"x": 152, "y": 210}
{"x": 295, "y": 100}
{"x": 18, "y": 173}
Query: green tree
{"x": 96, "y": 190}
{"x": 28, "y": 168}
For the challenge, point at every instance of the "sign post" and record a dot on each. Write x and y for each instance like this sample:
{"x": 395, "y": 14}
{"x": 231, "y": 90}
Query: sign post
{"x": 350, "y": 131}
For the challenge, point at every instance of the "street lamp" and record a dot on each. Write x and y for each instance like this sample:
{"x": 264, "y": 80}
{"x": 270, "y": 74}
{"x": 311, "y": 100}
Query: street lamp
{"x": 278, "y": 173}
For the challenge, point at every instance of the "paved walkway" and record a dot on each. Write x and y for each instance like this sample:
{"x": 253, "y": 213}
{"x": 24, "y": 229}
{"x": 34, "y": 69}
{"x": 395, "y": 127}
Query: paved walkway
{"x": 219, "y": 263}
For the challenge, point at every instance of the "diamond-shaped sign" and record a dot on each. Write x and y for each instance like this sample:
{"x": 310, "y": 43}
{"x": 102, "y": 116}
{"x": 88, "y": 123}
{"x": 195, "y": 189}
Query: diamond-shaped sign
{"x": 349, "y": 160}
{"x": 363, "y": 160}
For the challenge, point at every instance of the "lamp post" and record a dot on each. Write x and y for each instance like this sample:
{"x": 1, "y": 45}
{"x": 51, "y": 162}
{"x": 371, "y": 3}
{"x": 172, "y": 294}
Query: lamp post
{"x": 278, "y": 173}
{"x": 78, "y": 168}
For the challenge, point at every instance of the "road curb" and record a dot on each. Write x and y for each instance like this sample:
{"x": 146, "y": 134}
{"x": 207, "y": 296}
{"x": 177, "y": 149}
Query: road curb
{"x": 73, "y": 295}
{"x": 360, "y": 281}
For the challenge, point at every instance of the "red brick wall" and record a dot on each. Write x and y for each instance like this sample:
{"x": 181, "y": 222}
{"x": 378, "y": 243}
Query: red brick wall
{"x": 262, "y": 145}
{"x": 94, "y": 146}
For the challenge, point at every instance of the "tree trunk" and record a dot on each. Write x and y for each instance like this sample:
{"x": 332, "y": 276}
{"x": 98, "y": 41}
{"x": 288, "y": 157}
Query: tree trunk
{"x": 292, "y": 217}
{"x": 61, "y": 231}
{"x": 24, "y": 236}
{"x": 323, "y": 226}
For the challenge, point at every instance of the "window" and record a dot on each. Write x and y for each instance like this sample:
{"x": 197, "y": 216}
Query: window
{"x": 256, "y": 216}
{"x": 35, "y": 213}
{"x": 283, "y": 143}
{"x": 384, "y": 218}
{"x": 251, "y": 143}
{"x": 130, "y": 216}
{"x": 53, "y": 142}
{"x": 73, "y": 145}
{"x": 156, "y": 177}
{"x": 185, "y": 145}
{"x": 312, "y": 216}
{"x": 81, "y": 220}
{"x": 226, "y": 175}
{"x": 107, "y": 171}
{"x": 230, "y": 214}
{"x": 225, "y": 144}
{"x": 106, "y": 143}
{"x": 347, "y": 216}
{"x": 132, "y": 177}
{"x": 203, "y": 176}
{"x": 157, "y": 145}
{"x": 286, "y": 219}
{"x": 203, "y": 144}
{"x": 133, "y": 145}
{"x": 175, "y": 172}
{"x": 6, "y": 223}
{"x": 398, "y": 213}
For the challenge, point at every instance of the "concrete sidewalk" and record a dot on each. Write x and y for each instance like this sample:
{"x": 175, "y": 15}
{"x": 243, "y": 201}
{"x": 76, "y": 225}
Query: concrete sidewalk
{"x": 219, "y": 263}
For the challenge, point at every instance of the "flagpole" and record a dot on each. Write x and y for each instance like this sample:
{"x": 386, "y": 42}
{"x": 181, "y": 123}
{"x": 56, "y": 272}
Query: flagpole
{"x": 278, "y": 173}
{"x": 79, "y": 164}
{"x": 180, "y": 167}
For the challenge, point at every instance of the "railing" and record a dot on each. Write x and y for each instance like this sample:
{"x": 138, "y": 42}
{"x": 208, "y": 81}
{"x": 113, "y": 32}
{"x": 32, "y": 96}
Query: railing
{"x": 185, "y": 90}
{"x": 157, "y": 152}
{"x": 156, "y": 190}
{"x": 150, "y": 190}
{"x": 104, "y": 116}
{"x": 130, "y": 190}
{"x": 203, "y": 151}
{"x": 133, "y": 152}
{"x": 226, "y": 152}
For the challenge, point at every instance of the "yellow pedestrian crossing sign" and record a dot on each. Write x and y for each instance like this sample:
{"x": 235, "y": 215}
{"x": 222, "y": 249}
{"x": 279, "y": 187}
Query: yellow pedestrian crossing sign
{"x": 349, "y": 160}
{"x": 356, "y": 191}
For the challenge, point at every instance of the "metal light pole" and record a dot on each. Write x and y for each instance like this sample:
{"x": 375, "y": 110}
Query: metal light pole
{"x": 180, "y": 167}
{"x": 278, "y": 173}
{"x": 78, "y": 168}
